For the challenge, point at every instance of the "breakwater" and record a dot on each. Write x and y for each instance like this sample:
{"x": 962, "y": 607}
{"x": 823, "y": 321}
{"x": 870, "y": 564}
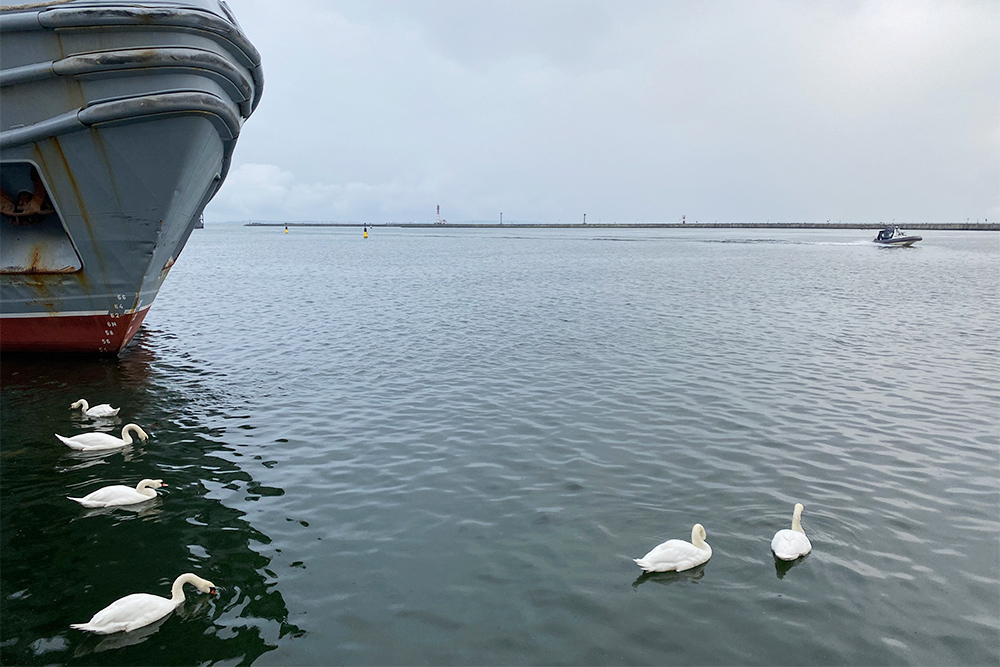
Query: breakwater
{"x": 940, "y": 226}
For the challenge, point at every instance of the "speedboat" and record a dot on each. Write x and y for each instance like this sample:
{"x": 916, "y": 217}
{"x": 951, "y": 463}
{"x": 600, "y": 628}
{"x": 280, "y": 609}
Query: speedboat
{"x": 894, "y": 236}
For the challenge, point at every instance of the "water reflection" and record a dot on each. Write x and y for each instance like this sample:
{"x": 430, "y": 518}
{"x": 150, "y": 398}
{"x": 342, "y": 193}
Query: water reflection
{"x": 781, "y": 567}
{"x": 95, "y": 423}
{"x": 146, "y": 510}
{"x": 75, "y": 459}
{"x": 668, "y": 578}
{"x": 62, "y": 563}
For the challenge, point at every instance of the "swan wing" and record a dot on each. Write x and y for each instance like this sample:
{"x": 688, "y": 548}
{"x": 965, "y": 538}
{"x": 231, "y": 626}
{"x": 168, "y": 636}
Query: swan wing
{"x": 91, "y": 441}
{"x": 790, "y": 544}
{"x": 128, "y": 613}
{"x": 674, "y": 555}
{"x": 69, "y": 442}
{"x": 102, "y": 410}
{"x": 112, "y": 495}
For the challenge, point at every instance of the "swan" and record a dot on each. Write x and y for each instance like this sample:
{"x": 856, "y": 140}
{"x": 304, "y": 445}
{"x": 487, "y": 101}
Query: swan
{"x": 118, "y": 494}
{"x": 91, "y": 442}
{"x": 141, "y": 609}
{"x": 791, "y": 544}
{"x": 677, "y": 555}
{"x": 102, "y": 410}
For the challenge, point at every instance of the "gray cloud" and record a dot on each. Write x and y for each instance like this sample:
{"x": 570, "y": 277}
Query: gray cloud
{"x": 377, "y": 111}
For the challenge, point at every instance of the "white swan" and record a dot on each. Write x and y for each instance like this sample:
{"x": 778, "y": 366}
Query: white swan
{"x": 141, "y": 609}
{"x": 677, "y": 555}
{"x": 791, "y": 544}
{"x": 102, "y": 410}
{"x": 118, "y": 494}
{"x": 90, "y": 442}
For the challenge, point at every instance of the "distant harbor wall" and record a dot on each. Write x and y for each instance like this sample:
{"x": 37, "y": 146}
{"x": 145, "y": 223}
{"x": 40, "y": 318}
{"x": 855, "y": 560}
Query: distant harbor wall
{"x": 941, "y": 226}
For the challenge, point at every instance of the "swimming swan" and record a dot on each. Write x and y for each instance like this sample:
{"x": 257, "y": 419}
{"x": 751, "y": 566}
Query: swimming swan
{"x": 791, "y": 544}
{"x": 102, "y": 410}
{"x": 118, "y": 494}
{"x": 141, "y": 609}
{"x": 677, "y": 555}
{"x": 91, "y": 442}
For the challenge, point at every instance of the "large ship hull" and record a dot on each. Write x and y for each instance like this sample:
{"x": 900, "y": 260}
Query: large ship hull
{"x": 117, "y": 126}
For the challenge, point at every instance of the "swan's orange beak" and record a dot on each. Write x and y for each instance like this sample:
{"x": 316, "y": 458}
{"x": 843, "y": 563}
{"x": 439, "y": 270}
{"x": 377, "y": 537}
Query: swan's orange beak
{"x": 212, "y": 591}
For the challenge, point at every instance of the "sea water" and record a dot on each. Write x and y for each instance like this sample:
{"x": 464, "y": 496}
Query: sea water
{"x": 445, "y": 446}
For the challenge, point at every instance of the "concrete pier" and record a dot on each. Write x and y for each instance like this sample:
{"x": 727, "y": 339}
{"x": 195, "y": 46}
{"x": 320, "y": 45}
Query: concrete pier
{"x": 940, "y": 226}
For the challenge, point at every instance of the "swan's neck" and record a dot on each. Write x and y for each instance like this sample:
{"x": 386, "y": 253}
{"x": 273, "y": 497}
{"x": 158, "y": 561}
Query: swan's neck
{"x": 177, "y": 590}
{"x": 83, "y": 405}
{"x": 797, "y": 523}
{"x": 145, "y": 487}
{"x": 696, "y": 539}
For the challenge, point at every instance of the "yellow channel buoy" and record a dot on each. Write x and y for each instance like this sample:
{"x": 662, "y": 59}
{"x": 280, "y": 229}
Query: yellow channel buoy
{"x": 366, "y": 232}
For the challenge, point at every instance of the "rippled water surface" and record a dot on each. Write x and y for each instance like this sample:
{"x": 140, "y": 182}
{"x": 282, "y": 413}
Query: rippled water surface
{"x": 445, "y": 446}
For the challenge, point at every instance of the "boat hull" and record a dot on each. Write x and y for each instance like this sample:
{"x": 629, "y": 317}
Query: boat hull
{"x": 66, "y": 332}
{"x": 117, "y": 128}
{"x": 901, "y": 242}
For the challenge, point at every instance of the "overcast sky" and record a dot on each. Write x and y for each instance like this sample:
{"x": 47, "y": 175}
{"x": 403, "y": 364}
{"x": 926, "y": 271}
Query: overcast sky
{"x": 547, "y": 110}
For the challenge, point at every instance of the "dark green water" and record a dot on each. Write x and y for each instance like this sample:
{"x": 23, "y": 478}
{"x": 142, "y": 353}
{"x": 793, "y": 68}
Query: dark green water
{"x": 445, "y": 446}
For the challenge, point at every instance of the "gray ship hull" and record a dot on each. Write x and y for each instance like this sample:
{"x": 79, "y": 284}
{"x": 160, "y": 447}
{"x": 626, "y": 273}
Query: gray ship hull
{"x": 117, "y": 126}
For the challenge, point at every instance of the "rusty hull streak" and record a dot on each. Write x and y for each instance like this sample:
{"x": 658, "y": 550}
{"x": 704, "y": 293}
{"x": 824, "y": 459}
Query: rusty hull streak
{"x": 62, "y": 49}
{"x": 82, "y": 207}
{"x": 36, "y": 266}
{"x": 76, "y": 88}
{"x": 102, "y": 150}
{"x": 39, "y": 281}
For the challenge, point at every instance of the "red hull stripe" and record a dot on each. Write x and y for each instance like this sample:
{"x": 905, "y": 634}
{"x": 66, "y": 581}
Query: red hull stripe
{"x": 107, "y": 332}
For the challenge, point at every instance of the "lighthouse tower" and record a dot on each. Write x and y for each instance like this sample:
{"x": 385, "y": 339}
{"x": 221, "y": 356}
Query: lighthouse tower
{"x": 439, "y": 214}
